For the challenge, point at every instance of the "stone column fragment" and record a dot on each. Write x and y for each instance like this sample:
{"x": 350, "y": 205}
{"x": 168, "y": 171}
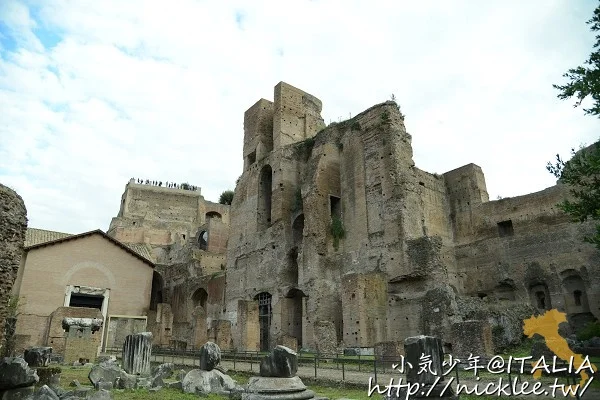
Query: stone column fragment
{"x": 425, "y": 354}
{"x": 137, "y": 350}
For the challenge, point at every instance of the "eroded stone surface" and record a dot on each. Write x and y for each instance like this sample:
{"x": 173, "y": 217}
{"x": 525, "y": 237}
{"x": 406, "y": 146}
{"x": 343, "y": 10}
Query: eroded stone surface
{"x": 282, "y": 362}
{"x": 200, "y": 381}
{"x": 210, "y": 356}
{"x": 13, "y": 225}
{"x": 15, "y": 373}
{"x": 137, "y": 350}
{"x": 38, "y": 356}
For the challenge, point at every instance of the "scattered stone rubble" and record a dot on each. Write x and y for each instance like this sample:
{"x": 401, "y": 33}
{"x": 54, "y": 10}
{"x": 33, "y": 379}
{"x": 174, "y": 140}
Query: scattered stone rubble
{"x": 209, "y": 379}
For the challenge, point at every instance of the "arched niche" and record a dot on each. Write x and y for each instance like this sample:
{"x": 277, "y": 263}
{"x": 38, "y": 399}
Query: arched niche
{"x": 265, "y": 192}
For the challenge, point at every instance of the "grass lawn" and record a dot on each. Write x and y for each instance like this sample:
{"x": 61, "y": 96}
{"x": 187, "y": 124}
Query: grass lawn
{"x": 333, "y": 391}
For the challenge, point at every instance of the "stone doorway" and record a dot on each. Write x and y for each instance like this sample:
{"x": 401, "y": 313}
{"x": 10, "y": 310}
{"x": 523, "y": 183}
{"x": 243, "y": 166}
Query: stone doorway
{"x": 264, "y": 319}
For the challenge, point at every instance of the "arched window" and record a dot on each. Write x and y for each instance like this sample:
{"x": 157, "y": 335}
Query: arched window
{"x": 199, "y": 298}
{"x": 541, "y": 299}
{"x": 203, "y": 240}
{"x": 212, "y": 214}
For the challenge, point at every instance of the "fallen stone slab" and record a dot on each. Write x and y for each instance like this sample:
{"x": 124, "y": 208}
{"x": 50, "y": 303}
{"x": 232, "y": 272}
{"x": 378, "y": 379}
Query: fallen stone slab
{"x": 23, "y": 393}
{"x": 99, "y": 395}
{"x": 15, "y": 373}
{"x": 45, "y": 393}
{"x": 199, "y": 381}
{"x": 165, "y": 371}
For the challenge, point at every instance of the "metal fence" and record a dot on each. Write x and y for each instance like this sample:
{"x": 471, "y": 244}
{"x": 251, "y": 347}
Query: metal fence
{"x": 357, "y": 369}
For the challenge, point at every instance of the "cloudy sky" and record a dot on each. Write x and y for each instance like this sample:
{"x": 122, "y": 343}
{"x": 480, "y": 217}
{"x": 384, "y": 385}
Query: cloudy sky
{"x": 93, "y": 93}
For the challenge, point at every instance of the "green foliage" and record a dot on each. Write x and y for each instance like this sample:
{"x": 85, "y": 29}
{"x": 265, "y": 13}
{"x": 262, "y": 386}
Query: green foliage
{"x": 13, "y": 306}
{"x": 522, "y": 349}
{"x": 591, "y": 330}
{"x": 584, "y": 80}
{"x": 7, "y": 347}
{"x": 582, "y": 174}
{"x": 355, "y": 126}
{"x": 385, "y": 116}
{"x": 337, "y": 231}
{"x": 226, "y": 197}
{"x": 498, "y": 330}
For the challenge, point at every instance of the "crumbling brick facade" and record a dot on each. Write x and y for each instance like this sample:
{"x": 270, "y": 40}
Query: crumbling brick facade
{"x": 187, "y": 238}
{"x": 336, "y": 226}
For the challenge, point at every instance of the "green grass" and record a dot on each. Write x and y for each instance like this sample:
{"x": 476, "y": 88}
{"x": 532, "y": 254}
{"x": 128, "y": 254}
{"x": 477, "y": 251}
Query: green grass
{"x": 331, "y": 390}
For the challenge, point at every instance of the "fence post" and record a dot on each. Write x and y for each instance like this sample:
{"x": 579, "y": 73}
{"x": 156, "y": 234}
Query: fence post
{"x": 359, "y": 362}
{"x": 251, "y": 361}
{"x": 375, "y": 367}
{"x": 234, "y": 353}
{"x": 315, "y": 365}
{"x": 343, "y": 370}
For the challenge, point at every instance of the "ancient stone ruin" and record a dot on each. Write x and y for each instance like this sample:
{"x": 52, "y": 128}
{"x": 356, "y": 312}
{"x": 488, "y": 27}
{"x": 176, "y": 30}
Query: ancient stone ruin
{"x": 17, "y": 380}
{"x": 80, "y": 345}
{"x": 13, "y": 225}
{"x": 137, "y": 350}
{"x": 278, "y": 378}
{"x": 209, "y": 379}
{"x": 335, "y": 239}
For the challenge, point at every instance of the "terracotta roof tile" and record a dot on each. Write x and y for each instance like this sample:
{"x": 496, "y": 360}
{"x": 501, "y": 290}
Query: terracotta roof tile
{"x": 35, "y": 237}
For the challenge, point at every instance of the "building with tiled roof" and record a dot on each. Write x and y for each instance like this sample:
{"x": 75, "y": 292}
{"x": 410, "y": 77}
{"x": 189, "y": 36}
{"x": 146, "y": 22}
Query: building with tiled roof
{"x": 86, "y": 275}
{"x": 35, "y": 237}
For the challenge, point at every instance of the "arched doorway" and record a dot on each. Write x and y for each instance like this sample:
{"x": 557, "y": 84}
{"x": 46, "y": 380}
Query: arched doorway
{"x": 265, "y": 315}
{"x": 199, "y": 298}
{"x": 294, "y": 314}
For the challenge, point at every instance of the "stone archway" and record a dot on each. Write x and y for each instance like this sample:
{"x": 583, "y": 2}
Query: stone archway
{"x": 292, "y": 311}
{"x": 156, "y": 295}
{"x": 265, "y": 192}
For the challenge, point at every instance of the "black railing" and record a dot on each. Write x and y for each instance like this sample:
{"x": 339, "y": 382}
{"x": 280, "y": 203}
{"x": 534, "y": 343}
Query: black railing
{"x": 357, "y": 369}
{"x": 172, "y": 185}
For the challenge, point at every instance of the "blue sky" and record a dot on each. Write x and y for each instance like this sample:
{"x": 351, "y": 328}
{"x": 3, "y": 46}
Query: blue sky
{"x": 94, "y": 93}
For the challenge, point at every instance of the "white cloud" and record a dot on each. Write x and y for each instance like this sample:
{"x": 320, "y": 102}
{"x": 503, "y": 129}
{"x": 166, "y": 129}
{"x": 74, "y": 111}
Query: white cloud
{"x": 94, "y": 93}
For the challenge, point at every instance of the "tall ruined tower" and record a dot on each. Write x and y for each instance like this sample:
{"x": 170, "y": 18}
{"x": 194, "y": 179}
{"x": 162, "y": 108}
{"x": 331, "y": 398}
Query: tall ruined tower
{"x": 321, "y": 221}
{"x": 338, "y": 240}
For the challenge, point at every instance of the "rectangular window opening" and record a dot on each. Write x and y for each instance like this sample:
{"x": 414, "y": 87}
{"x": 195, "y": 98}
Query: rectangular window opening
{"x": 335, "y": 207}
{"x": 505, "y": 228}
{"x": 86, "y": 300}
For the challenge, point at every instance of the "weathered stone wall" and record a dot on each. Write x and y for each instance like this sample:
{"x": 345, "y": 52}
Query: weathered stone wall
{"x": 361, "y": 172}
{"x": 258, "y": 127}
{"x": 364, "y": 304}
{"x": 246, "y": 329}
{"x": 187, "y": 237}
{"x": 13, "y": 224}
{"x": 516, "y": 246}
{"x": 170, "y": 221}
{"x": 55, "y": 336}
{"x": 297, "y": 115}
